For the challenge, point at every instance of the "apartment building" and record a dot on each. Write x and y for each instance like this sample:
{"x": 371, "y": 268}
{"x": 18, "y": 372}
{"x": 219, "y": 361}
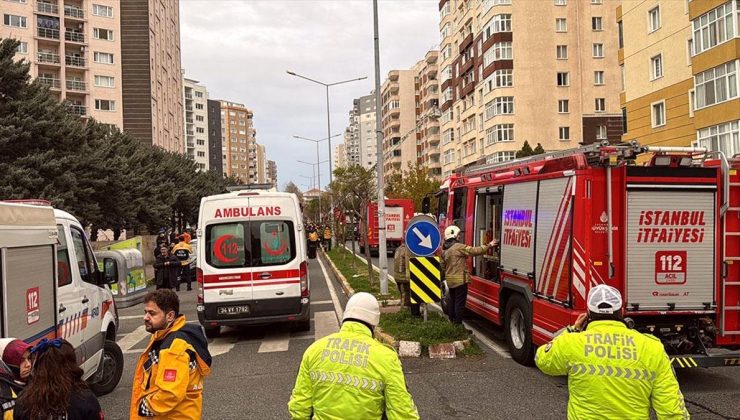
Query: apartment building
{"x": 427, "y": 118}
{"x": 398, "y": 113}
{"x": 359, "y": 137}
{"x": 680, "y": 62}
{"x": 542, "y": 71}
{"x": 196, "y": 123}
{"x": 340, "y": 153}
{"x": 239, "y": 144}
{"x": 74, "y": 47}
{"x": 152, "y": 72}
{"x": 215, "y": 153}
{"x": 272, "y": 176}
{"x": 261, "y": 164}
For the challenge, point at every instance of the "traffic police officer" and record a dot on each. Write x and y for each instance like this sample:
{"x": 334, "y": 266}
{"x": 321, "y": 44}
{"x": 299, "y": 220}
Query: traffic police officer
{"x": 349, "y": 375}
{"x": 613, "y": 372}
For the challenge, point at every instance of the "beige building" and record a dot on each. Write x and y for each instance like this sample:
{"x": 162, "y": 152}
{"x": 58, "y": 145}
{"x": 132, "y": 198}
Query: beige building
{"x": 398, "y": 113}
{"x": 196, "y": 122}
{"x": 152, "y": 72}
{"x": 238, "y": 142}
{"x": 261, "y": 164}
{"x": 340, "y": 155}
{"x": 74, "y": 47}
{"x": 359, "y": 137}
{"x": 427, "y": 114}
{"x": 680, "y": 62}
{"x": 272, "y": 175}
{"x": 556, "y": 82}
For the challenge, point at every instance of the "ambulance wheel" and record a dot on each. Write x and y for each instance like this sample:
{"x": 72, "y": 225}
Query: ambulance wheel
{"x": 111, "y": 369}
{"x": 212, "y": 332}
{"x": 518, "y": 330}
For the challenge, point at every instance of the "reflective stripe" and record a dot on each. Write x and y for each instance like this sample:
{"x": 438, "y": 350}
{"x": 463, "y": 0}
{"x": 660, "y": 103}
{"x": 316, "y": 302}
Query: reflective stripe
{"x": 616, "y": 372}
{"x": 354, "y": 381}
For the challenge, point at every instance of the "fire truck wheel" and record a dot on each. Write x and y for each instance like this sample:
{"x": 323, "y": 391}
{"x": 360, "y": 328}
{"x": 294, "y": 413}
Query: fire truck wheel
{"x": 212, "y": 332}
{"x": 111, "y": 369}
{"x": 519, "y": 329}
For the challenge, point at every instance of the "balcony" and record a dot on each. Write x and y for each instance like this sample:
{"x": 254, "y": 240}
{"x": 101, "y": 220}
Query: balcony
{"x": 48, "y": 58}
{"x": 77, "y": 85}
{"x": 189, "y": 108}
{"x": 188, "y": 120}
{"x": 188, "y": 96}
{"x": 74, "y": 61}
{"x": 51, "y": 82}
{"x": 73, "y": 12}
{"x": 78, "y": 110}
{"x": 47, "y": 8}
{"x": 74, "y": 36}
{"x": 190, "y": 133}
{"x": 48, "y": 33}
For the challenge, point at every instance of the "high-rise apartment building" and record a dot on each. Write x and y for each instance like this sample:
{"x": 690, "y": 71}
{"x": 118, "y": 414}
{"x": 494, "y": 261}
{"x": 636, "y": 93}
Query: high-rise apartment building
{"x": 216, "y": 155}
{"x": 272, "y": 175}
{"x": 261, "y": 164}
{"x": 340, "y": 154}
{"x": 542, "y": 71}
{"x": 680, "y": 62}
{"x": 239, "y": 144}
{"x": 74, "y": 47}
{"x": 427, "y": 106}
{"x": 196, "y": 123}
{"x": 152, "y": 72}
{"x": 359, "y": 137}
{"x": 398, "y": 96}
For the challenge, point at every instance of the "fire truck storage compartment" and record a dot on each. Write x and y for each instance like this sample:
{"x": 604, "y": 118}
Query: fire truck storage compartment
{"x": 670, "y": 247}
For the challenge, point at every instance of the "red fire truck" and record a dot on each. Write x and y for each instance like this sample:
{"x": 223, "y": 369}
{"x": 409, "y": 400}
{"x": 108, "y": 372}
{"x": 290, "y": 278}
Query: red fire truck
{"x": 665, "y": 231}
{"x": 398, "y": 212}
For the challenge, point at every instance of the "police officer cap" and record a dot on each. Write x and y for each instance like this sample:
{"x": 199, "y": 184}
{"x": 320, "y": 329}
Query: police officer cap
{"x": 364, "y": 307}
{"x": 604, "y": 299}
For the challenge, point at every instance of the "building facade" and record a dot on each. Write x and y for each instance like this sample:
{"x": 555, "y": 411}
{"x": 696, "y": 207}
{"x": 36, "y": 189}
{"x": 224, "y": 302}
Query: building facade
{"x": 239, "y": 144}
{"x": 680, "y": 62}
{"x": 340, "y": 154}
{"x": 216, "y": 155}
{"x": 196, "y": 123}
{"x": 398, "y": 113}
{"x": 272, "y": 174}
{"x": 427, "y": 118}
{"x": 74, "y": 47}
{"x": 152, "y": 72}
{"x": 545, "y": 72}
{"x": 359, "y": 137}
{"x": 260, "y": 164}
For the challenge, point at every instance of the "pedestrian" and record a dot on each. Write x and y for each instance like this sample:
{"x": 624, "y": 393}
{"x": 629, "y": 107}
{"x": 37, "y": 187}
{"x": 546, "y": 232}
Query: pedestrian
{"x": 327, "y": 238}
{"x": 313, "y": 242}
{"x": 17, "y": 356}
{"x": 613, "y": 372}
{"x": 454, "y": 265}
{"x": 166, "y": 268}
{"x": 56, "y": 389}
{"x": 372, "y": 384}
{"x": 182, "y": 250}
{"x": 400, "y": 274}
{"x": 9, "y": 390}
{"x": 168, "y": 380}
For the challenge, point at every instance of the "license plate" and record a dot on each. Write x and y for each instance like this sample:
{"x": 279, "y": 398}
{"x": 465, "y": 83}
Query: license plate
{"x": 233, "y": 310}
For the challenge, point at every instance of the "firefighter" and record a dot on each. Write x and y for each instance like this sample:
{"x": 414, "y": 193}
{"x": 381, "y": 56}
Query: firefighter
{"x": 372, "y": 384}
{"x": 327, "y": 238}
{"x": 400, "y": 273}
{"x": 612, "y": 370}
{"x": 454, "y": 264}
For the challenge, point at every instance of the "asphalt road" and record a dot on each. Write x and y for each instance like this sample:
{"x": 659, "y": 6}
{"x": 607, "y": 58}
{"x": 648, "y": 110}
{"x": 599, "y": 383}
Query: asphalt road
{"x": 254, "y": 371}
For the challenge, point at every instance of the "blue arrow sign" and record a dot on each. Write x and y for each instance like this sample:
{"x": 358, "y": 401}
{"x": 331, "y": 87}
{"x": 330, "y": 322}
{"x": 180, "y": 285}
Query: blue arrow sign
{"x": 422, "y": 238}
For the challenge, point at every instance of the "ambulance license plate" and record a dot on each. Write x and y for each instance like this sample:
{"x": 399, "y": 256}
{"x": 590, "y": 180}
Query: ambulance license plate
{"x": 233, "y": 310}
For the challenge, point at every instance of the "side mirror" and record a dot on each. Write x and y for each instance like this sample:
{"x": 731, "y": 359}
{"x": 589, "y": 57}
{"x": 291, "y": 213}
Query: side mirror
{"x": 110, "y": 271}
{"x": 425, "y": 205}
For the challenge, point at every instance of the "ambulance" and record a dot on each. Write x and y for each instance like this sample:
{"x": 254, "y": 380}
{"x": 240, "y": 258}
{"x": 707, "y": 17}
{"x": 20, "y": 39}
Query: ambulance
{"x": 252, "y": 263}
{"x": 52, "y": 287}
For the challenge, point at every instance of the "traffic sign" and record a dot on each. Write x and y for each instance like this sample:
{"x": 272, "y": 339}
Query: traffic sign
{"x": 422, "y": 236}
{"x": 426, "y": 279}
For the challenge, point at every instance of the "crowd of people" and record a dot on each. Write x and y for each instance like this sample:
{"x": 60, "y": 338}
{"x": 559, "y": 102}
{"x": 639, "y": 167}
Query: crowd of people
{"x": 318, "y": 236}
{"x": 173, "y": 259}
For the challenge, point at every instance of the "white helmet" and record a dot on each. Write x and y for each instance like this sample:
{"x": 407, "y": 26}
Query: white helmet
{"x": 451, "y": 232}
{"x": 604, "y": 299}
{"x": 364, "y": 307}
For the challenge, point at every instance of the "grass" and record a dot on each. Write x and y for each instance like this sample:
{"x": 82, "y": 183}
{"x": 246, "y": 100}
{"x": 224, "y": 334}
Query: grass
{"x": 438, "y": 329}
{"x": 357, "y": 276}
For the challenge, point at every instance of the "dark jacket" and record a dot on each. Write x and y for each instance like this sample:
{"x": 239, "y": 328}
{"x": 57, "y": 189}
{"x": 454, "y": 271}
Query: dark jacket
{"x": 82, "y": 406}
{"x": 166, "y": 274}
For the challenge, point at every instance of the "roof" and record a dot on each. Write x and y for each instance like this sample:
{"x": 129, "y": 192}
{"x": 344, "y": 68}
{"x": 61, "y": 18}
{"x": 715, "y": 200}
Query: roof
{"x": 12, "y": 214}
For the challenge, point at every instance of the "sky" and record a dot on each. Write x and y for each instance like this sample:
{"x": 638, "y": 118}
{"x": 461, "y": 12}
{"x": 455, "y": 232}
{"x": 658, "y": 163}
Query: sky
{"x": 241, "y": 49}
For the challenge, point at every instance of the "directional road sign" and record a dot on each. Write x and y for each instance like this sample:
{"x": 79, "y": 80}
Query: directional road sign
{"x": 422, "y": 236}
{"x": 425, "y": 276}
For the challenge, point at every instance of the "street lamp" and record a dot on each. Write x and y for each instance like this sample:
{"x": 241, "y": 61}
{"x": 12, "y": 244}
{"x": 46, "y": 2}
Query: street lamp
{"x": 317, "y": 164}
{"x": 328, "y": 126}
{"x": 318, "y": 167}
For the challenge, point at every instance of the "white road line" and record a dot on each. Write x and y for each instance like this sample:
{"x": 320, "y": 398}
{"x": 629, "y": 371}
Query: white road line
{"x": 279, "y": 341}
{"x": 134, "y": 351}
{"x": 131, "y": 317}
{"x": 325, "y": 323}
{"x": 133, "y": 338}
{"x": 337, "y": 307}
{"x": 320, "y": 302}
{"x": 220, "y": 346}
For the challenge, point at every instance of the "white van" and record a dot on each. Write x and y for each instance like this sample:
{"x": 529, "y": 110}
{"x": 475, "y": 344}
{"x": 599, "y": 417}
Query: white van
{"x": 38, "y": 245}
{"x": 252, "y": 266}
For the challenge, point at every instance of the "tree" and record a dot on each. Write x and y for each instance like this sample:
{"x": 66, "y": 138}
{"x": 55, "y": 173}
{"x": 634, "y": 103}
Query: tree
{"x": 291, "y": 187}
{"x": 414, "y": 183}
{"x": 527, "y": 150}
{"x": 539, "y": 149}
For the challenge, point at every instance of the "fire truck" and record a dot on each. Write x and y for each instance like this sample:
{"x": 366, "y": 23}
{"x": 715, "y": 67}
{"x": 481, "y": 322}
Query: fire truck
{"x": 398, "y": 212}
{"x": 661, "y": 224}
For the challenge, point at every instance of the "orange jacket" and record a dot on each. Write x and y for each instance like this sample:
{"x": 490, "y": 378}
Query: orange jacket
{"x": 168, "y": 381}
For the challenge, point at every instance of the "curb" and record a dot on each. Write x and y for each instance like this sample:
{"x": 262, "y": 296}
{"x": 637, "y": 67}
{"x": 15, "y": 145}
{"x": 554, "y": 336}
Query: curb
{"x": 375, "y": 268}
{"x": 386, "y": 338}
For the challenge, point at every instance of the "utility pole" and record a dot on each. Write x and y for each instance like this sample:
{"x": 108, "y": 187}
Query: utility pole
{"x": 382, "y": 251}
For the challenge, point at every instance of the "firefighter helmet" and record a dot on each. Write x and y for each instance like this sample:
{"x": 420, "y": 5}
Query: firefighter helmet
{"x": 604, "y": 299}
{"x": 451, "y": 232}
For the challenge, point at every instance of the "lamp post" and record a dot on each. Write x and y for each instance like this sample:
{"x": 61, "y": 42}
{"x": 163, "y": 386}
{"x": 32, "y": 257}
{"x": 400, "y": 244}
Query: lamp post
{"x": 328, "y": 128}
{"x": 317, "y": 165}
{"x": 383, "y": 256}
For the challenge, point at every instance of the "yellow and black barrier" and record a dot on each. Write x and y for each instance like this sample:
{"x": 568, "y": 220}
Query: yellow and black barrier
{"x": 426, "y": 279}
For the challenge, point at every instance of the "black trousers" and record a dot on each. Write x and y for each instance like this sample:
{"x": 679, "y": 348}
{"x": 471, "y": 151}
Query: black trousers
{"x": 185, "y": 276}
{"x": 458, "y": 295}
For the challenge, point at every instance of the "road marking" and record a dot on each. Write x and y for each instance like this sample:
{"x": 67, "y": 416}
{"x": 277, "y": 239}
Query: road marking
{"x": 279, "y": 341}
{"x": 131, "y": 317}
{"x": 337, "y": 307}
{"x": 221, "y": 345}
{"x": 325, "y": 323}
{"x": 320, "y": 302}
{"x": 133, "y": 338}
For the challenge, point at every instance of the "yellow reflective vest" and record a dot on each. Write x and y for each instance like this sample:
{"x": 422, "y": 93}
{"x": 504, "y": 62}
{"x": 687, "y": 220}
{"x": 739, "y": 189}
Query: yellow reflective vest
{"x": 613, "y": 373}
{"x": 350, "y": 375}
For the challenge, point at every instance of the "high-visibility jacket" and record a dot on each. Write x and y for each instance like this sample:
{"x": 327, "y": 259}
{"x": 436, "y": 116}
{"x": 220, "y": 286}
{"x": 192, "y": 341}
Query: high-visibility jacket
{"x": 184, "y": 246}
{"x": 454, "y": 261}
{"x": 168, "y": 380}
{"x": 401, "y": 264}
{"x": 350, "y": 375}
{"x": 613, "y": 373}
{"x": 327, "y": 233}
{"x": 313, "y": 236}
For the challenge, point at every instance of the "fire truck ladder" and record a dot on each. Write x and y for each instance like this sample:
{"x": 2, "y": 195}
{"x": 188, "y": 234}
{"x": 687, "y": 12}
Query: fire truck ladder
{"x": 731, "y": 277}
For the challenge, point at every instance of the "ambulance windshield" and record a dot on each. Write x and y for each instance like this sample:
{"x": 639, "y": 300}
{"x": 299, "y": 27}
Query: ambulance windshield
{"x": 268, "y": 243}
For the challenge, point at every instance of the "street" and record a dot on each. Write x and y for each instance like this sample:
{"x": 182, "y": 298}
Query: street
{"x": 254, "y": 370}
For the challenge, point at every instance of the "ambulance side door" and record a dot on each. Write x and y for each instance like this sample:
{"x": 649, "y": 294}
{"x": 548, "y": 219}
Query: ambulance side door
{"x": 69, "y": 300}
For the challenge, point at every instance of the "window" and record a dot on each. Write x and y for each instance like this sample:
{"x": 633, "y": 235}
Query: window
{"x": 563, "y": 106}
{"x": 499, "y": 157}
{"x": 620, "y": 34}
{"x": 85, "y": 261}
{"x": 103, "y": 58}
{"x": 254, "y": 244}
{"x": 561, "y": 25}
{"x": 598, "y": 50}
{"x": 198, "y": 106}
{"x": 503, "y": 78}
{"x": 716, "y": 85}
{"x": 689, "y": 51}
{"x": 16, "y": 21}
{"x": 692, "y": 102}
{"x": 654, "y": 19}
{"x": 713, "y": 28}
{"x": 560, "y": 2}
{"x": 100, "y": 10}
{"x": 563, "y": 133}
{"x": 105, "y": 105}
{"x": 199, "y": 118}
{"x": 104, "y": 81}
{"x": 596, "y": 23}
{"x": 198, "y": 94}
{"x": 657, "y": 111}
{"x": 200, "y": 130}
{"x": 622, "y": 75}
{"x": 105, "y": 34}
{"x": 599, "y": 77}
{"x": 595, "y": 1}
{"x": 724, "y": 137}
{"x": 600, "y": 104}
{"x": 656, "y": 67}
{"x": 624, "y": 120}
{"x": 561, "y": 52}
{"x": 503, "y": 105}
{"x": 22, "y": 48}
{"x": 601, "y": 132}
{"x": 64, "y": 274}
{"x": 498, "y": 23}
{"x": 563, "y": 79}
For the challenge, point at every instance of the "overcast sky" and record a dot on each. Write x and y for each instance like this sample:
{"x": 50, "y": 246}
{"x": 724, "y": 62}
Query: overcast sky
{"x": 240, "y": 50}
